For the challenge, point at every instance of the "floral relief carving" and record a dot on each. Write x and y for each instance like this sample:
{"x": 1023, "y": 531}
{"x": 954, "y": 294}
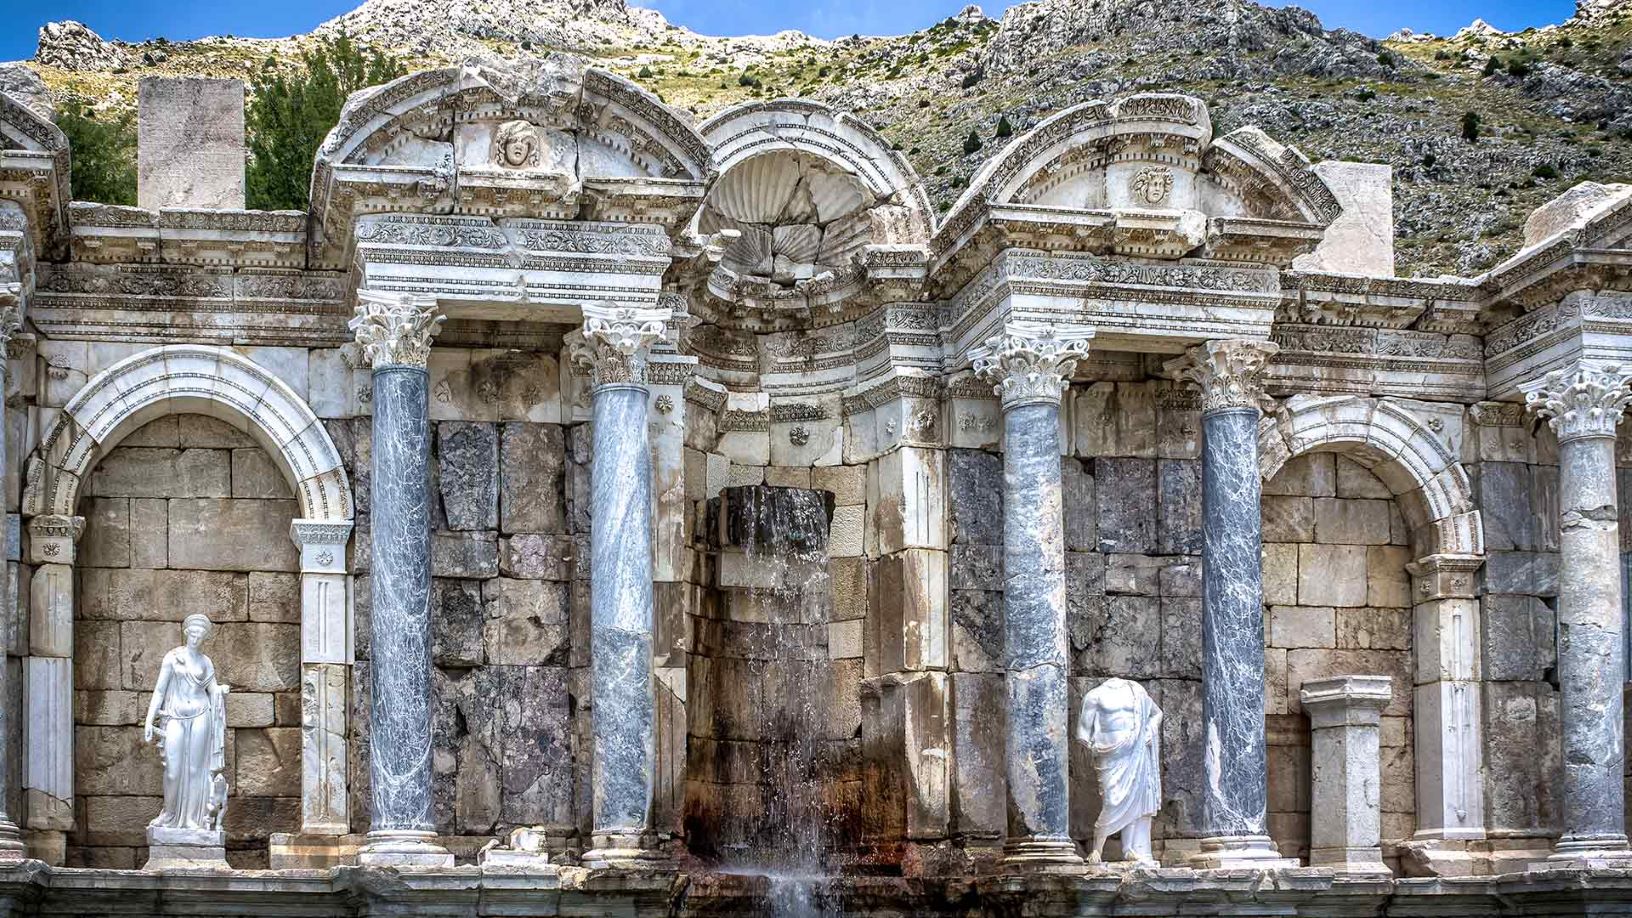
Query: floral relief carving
{"x": 1582, "y": 401}
{"x": 395, "y": 329}
{"x": 1029, "y": 363}
{"x": 1228, "y": 373}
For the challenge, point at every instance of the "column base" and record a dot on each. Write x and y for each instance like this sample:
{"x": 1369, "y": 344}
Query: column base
{"x": 1240, "y": 852}
{"x": 1041, "y": 853}
{"x": 403, "y": 848}
{"x": 1588, "y": 851}
{"x": 1360, "y": 861}
{"x": 12, "y": 848}
{"x": 621, "y": 850}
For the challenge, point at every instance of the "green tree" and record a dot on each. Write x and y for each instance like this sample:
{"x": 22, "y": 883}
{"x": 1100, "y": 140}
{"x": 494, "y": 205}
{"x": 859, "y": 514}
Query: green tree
{"x": 1470, "y": 126}
{"x": 971, "y": 144}
{"x": 290, "y": 112}
{"x": 1004, "y": 128}
{"x": 104, "y": 154}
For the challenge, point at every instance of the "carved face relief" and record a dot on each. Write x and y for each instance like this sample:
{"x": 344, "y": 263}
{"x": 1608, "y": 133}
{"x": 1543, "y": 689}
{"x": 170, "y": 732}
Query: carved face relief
{"x": 1152, "y": 185}
{"x": 516, "y": 145}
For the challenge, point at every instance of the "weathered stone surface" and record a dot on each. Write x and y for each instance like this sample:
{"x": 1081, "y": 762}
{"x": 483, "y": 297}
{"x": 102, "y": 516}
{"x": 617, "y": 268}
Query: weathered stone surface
{"x": 975, "y": 495}
{"x": 111, "y": 708}
{"x": 1332, "y": 575}
{"x": 532, "y": 468}
{"x": 1522, "y": 572}
{"x": 467, "y": 555}
{"x": 150, "y": 518}
{"x": 1308, "y": 475}
{"x": 1126, "y": 641}
{"x": 1289, "y": 519}
{"x": 1127, "y": 515}
{"x": 165, "y": 595}
{"x": 977, "y": 567}
{"x": 232, "y": 535}
{"x": 190, "y": 143}
{"x": 1351, "y": 522}
{"x": 977, "y": 631}
{"x": 1178, "y": 515}
{"x": 467, "y": 464}
{"x": 1518, "y": 636}
{"x": 457, "y": 618}
{"x": 1302, "y": 626}
{"x": 1078, "y": 506}
{"x": 250, "y": 709}
{"x": 107, "y": 537}
{"x": 268, "y": 762}
{"x": 848, "y": 483}
{"x": 274, "y": 597}
{"x": 1519, "y": 719}
{"x": 115, "y": 761}
{"x": 1373, "y": 629}
{"x": 130, "y": 471}
{"x": 526, "y": 622}
{"x": 535, "y": 556}
{"x": 255, "y": 475}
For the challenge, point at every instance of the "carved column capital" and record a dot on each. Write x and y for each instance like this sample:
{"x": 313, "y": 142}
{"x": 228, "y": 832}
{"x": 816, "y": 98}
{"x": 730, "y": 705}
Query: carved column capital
{"x": 395, "y": 329}
{"x": 1581, "y": 401}
{"x": 1229, "y": 373}
{"x": 615, "y": 341}
{"x": 1029, "y": 363}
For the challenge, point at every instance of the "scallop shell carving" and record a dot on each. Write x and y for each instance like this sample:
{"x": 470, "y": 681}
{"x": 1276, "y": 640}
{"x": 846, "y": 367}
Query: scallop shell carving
{"x": 757, "y": 190}
{"x": 835, "y": 194}
{"x": 799, "y": 242}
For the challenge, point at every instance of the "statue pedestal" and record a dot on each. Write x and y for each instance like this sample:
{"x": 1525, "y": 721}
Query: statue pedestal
{"x": 175, "y": 849}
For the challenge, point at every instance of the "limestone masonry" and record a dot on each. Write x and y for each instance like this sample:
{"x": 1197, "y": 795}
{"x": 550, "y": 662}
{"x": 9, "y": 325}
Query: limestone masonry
{"x": 595, "y": 513}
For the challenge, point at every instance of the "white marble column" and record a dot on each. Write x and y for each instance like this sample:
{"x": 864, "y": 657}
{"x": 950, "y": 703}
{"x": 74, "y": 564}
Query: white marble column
{"x": 1030, "y": 367}
{"x": 395, "y": 332}
{"x": 48, "y": 686}
{"x": 11, "y": 839}
{"x": 1234, "y": 804}
{"x": 614, "y": 346}
{"x": 1345, "y": 802}
{"x": 1584, "y": 404}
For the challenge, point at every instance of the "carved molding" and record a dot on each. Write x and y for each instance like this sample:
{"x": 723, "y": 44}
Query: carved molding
{"x": 1582, "y": 401}
{"x": 395, "y": 329}
{"x": 616, "y": 341}
{"x": 1229, "y": 373}
{"x": 1029, "y": 363}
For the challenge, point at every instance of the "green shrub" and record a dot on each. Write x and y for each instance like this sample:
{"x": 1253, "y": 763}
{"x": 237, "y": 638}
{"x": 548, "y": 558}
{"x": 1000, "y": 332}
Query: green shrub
{"x": 104, "y": 154}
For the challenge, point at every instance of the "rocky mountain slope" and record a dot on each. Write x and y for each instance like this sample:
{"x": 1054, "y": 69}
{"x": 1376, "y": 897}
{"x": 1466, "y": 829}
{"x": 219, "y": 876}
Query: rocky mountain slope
{"x": 1549, "y": 107}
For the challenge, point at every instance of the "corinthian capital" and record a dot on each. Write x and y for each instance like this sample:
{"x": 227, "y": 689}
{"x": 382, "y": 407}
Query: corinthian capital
{"x": 615, "y": 340}
{"x": 1229, "y": 373}
{"x": 395, "y": 329}
{"x": 1030, "y": 363}
{"x": 1581, "y": 401}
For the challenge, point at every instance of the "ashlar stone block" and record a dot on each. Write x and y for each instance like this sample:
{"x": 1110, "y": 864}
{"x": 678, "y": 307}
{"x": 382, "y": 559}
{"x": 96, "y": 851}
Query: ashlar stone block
{"x": 190, "y": 143}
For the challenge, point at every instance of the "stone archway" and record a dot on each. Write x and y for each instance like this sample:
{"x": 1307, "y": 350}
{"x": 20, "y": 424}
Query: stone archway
{"x": 1409, "y": 447}
{"x": 223, "y": 384}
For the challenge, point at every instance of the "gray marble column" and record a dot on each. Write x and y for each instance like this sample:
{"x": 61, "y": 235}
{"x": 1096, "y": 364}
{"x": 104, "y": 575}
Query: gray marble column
{"x": 613, "y": 345}
{"x": 1234, "y": 803}
{"x": 11, "y": 839}
{"x": 395, "y": 333}
{"x": 1030, "y": 367}
{"x": 1584, "y": 404}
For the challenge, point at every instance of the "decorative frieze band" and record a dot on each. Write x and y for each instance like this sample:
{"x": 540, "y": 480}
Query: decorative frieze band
{"x": 1228, "y": 373}
{"x": 616, "y": 340}
{"x": 395, "y": 329}
{"x": 1029, "y": 363}
{"x": 1582, "y": 401}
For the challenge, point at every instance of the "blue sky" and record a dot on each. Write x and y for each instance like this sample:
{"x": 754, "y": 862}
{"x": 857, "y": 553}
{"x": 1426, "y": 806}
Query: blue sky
{"x": 134, "y": 20}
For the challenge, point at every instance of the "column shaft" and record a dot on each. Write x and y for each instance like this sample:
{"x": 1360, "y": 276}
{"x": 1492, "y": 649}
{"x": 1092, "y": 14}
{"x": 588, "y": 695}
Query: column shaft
{"x": 1591, "y": 647}
{"x": 1034, "y": 629}
{"x": 11, "y": 844}
{"x": 621, "y": 619}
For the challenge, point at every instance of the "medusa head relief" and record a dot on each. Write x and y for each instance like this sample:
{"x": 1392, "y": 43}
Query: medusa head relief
{"x": 516, "y": 145}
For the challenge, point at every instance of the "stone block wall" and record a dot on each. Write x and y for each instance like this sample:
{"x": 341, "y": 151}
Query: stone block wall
{"x": 186, "y": 515}
{"x": 1337, "y": 602}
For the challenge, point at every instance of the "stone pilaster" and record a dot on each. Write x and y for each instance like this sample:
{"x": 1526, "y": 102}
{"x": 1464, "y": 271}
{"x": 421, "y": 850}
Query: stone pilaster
{"x": 395, "y": 333}
{"x": 1234, "y": 806}
{"x": 325, "y": 672}
{"x": 1446, "y": 711}
{"x": 1583, "y": 405}
{"x": 1030, "y": 367}
{"x": 614, "y": 344}
{"x": 48, "y": 684}
{"x": 1345, "y": 717}
{"x": 11, "y": 840}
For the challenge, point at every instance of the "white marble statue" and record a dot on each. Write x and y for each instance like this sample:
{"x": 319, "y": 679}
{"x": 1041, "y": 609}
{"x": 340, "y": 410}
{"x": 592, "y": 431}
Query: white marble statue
{"x": 1122, "y": 727}
{"x": 188, "y": 719}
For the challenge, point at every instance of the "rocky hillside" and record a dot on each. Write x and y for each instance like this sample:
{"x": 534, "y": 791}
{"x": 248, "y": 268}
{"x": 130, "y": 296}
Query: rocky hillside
{"x": 1480, "y": 127}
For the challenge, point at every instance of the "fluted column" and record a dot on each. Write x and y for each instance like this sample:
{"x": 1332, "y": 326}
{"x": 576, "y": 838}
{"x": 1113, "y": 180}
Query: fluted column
{"x": 1030, "y": 366}
{"x": 614, "y": 345}
{"x": 1234, "y": 803}
{"x": 1584, "y": 404}
{"x": 11, "y": 840}
{"x": 395, "y": 333}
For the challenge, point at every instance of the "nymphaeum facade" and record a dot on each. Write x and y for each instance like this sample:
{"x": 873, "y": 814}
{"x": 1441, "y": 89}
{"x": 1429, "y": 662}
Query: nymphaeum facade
{"x": 1147, "y": 402}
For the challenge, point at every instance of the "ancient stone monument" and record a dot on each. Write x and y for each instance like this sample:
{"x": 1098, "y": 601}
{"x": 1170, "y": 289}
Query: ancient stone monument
{"x": 598, "y": 512}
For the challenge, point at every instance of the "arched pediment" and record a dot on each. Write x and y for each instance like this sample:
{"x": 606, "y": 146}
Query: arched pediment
{"x": 1145, "y": 176}
{"x": 805, "y": 202}
{"x": 542, "y": 137}
{"x": 34, "y": 173}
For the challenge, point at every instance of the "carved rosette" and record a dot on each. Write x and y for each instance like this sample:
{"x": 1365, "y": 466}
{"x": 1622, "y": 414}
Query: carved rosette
{"x": 615, "y": 341}
{"x": 1029, "y": 363}
{"x": 1582, "y": 401}
{"x": 1228, "y": 373}
{"x": 395, "y": 329}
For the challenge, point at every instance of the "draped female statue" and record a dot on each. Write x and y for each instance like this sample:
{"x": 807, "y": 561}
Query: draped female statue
{"x": 188, "y": 719}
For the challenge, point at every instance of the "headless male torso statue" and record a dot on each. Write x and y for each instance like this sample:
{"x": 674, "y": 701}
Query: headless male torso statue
{"x": 1121, "y": 727}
